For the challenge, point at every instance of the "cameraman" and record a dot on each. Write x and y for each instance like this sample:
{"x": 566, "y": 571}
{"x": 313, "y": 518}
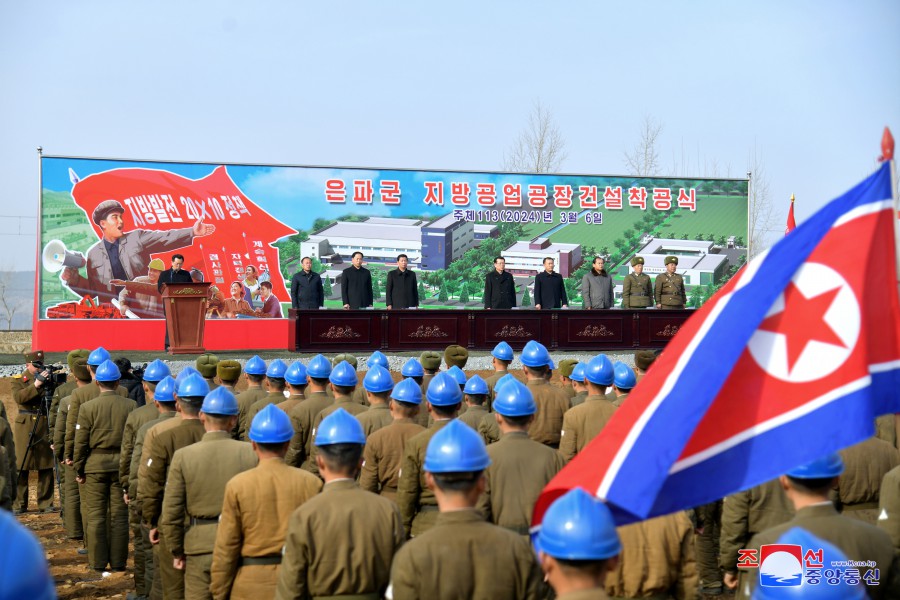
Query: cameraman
{"x": 32, "y": 433}
{"x": 130, "y": 381}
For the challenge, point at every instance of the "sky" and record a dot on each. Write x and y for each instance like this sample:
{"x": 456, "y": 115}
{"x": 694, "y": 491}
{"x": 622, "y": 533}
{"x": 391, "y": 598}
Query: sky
{"x": 806, "y": 86}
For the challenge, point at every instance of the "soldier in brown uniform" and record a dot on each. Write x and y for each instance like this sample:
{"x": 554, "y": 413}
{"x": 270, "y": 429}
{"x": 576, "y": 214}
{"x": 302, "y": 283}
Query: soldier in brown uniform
{"x": 475, "y": 393}
{"x": 33, "y": 451}
{"x": 520, "y": 467}
{"x": 624, "y": 381}
{"x": 378, "y": 384}
{"x": 195, "y": 490}
{"x": 384, "y": 448}
{"x": 579, "y": 385}
{"x": 417, "y": 502}
{"x": 501, "y": 357}
{"x": 228, "y": 373}
{"x": 669, "y": 287}
{"x": 255, "y": 372}
{"x": 151, "y": 486}
{"x": 377, "y": 358}
{"x": 207, "y": 365}
{"x": 642, "y": 361}
{"x": 98, "y": 442}
{"x": 488, "y": 428}
{"x": 249, "y": 541}
{"x": 566, "y": 366}
{"x": 359, "y": 395}
{"x": 552, "y": 402}
{"x": 491, "y": 562}
{"x": 71, "y": 500}
{"x": 275, "y": 385}
{"x": 889, "y": 506}
{"x": 865, "y": 465}
{"x": 8, "y": 445}
{"x": 577, "y": 546}
{"x": 808, "y": 487}
{"x": 582, "y": 423}
{"x": 304, "y": 414}
{"x": 431, "y": 363}
{"x": 295, "y": 377}
{"x": 745, "y": 514}
{"x": 456, "y": 356}
{"x": 341, "y": 542}
{"x": 637, "y": 290}
{"x": 343, "y": 383}
{"x": 63, "y": 391}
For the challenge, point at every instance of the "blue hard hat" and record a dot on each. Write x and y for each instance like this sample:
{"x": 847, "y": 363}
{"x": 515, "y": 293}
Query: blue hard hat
{"x": 443, "y": 390}
{"x": 220, "y": 401}
{"x": 599, "y": 370}
{"x": 830, "y": 465}
{"x": 156, "y": 370}
{"x": 23, "y": 566}
{"x": 624, "y": 377}
{"x": 831, "y": 555}
{"x": 502, "y": 382}
{"x": 108, "y": 371}
{"x": 457, "y": 374}
{"x": 476, "y": 385}
{"x": 407, "y": 391}
{"x": 515, "y": 400}
{"x": 578, "y": 526}
{"x": 96, "y": 357}
{"x": 165, "y": 390}
{"x": 193, "y": 386}
{"x": 340, "y": 427}
{"x": 271, "y": 425}
{"x": 185, "y": 373}
{"x": 255, "y": 366}
{"x": 319, "y": 367}
{"x": 377, "y": 358}
{"x": 412, "y": 368}
{"x": 343, "y": 374}
{"x": 296, "y": 373}
{"x": 456, "y": 448}
{"x": 378, "y": 379}
{"x": 535, "y": 355}
{"x": 577, "y": 373}
{"x": 503, "y": 351}
{"x": 276, "y": 369}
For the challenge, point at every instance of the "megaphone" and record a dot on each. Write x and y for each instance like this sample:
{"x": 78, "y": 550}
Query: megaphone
{"x": 55, "y": 257}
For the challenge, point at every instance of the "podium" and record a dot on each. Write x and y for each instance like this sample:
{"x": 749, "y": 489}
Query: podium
{"x": 185, "y": 305}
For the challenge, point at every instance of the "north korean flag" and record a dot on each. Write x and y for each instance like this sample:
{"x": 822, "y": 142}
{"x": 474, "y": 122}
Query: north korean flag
{"x": 794, "y": 358}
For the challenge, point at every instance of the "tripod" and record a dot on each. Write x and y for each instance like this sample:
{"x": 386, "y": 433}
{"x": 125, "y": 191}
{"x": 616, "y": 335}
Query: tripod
{"x": 34, "y": 439}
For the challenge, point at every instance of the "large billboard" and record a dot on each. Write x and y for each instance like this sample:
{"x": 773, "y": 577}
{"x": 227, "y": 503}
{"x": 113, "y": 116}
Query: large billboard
{"x": 237, "y": 225}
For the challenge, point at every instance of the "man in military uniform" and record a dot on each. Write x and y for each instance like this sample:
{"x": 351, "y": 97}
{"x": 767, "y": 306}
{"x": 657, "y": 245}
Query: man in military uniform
{"x": 475, "y": 392}
{"x": 624, "y": 381}
{"x": 195, "y": 490}
{"x": 295, "y": 378}
{"x": 865, "y": 465}
{"x": 71, "y": 499}
{"x": 343, "y": 383}
{"x": 303, "y": 415}
{"x": 255, "y": 373}
{"x": 275, "y": 385}
{"x": 520, "y": 467}
{"x": 322, "y": 556}
{"x": 808, "y": 488}
{"x": 228, "y": 373}
{"x": 384, "y": 448}
{"x": 642, "y": 361}
{"x": 552, "y": 402}
{"x": 418, "y": 505}
{"x": 456, "y": 356}
{"x": 637, "y": 290}
{"x": 378, "y": 358}
{"x": 247, "y": 554}
{"x": 501, "y": 357}
{"x": 59, "y": 393}
{"x": 566, "y": 366}
{"x": 582, "y": 423}
{"x": 32, "y": 451}
{"x": 98, "y": 442}
{"x": 669, "y": 289}
{"x": 206, "y": 365}
{"x": 493, "y": 562}
{"x": 889, "y": 506}
{"x": 378, "y": 384}
{"x": 578, "y": 385}
{"x": 431, "y": 363}
{"x": 8, "y": 449}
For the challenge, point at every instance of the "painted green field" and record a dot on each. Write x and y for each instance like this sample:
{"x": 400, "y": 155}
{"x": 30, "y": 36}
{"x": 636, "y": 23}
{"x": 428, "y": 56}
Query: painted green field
{"x": 720, "y": 215}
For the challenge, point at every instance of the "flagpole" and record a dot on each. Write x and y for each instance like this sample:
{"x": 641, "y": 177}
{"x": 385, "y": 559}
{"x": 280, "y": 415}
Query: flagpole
{"x": 887, "y": 153}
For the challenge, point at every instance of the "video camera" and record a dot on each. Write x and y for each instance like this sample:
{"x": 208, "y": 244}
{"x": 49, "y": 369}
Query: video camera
{"x": 56, "y": 377}
{"x": 138, "y": 372}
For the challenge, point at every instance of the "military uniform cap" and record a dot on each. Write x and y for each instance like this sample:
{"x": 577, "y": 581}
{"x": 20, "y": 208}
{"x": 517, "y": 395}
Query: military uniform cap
{"x": 106, "y": 208}
{"x": 80, "y": 353}
{"x": 228, "y": 370}
{"x": 80, "y": 369}
{"x": 456, "y": 356}
{"x": 671, "y": 259}
{"x": 345, "y": 357}
{"x": 157, "y": 265}
{"x": 566, "y": 366}
{"x": 34, "y": 356}
{"x": 430, "y": 360}
{"x": 638, "y": 260}
{"x": 644, "y": 358}
{"x": 206, "y": 364}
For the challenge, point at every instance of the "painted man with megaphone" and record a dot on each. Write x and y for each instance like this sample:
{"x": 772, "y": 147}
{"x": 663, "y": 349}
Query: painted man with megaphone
{"x": 121, "y": 255}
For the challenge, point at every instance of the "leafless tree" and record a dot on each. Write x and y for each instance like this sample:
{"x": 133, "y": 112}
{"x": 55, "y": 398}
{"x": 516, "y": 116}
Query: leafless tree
{"x": 9, "y": 304}
{"x": 540, "y": 147}
{"x": 763, "y": 216}
{"x": 643, "y": 159}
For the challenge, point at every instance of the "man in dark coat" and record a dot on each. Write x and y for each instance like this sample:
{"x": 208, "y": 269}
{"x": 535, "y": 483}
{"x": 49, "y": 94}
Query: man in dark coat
{"x": 499, "y": 287}
{"x": 549, "y": 288}
{"x": 356, "y": 284}
{"x": 306, "y": 287}
{"x": 402, "y": 290}
{"x": 174, "y": 275}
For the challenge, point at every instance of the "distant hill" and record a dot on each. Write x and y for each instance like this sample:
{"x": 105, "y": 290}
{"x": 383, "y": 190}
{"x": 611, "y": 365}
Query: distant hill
{"x": 16, "y": 296}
